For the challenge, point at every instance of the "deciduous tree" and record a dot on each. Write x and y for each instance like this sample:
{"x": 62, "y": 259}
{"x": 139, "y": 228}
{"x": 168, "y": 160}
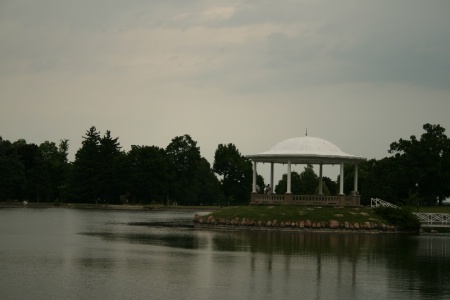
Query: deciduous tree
{"x": 184, "y": 159}
{"x": 236, "y": 171}
{"x": 148, "y": 179}
{"x": 425, "y": 162}
{"x": 37, "y": 184}
{"x": 57, "y": 166}
{"x": 12, "y": 172}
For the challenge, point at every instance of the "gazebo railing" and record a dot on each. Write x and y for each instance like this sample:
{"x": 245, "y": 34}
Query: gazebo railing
{"x": 268, "y": 198}
{"x": 316, "y": 200}
{"x": 289, "y": 199}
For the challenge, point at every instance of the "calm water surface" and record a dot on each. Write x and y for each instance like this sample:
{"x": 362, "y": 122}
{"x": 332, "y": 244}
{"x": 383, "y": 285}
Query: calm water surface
{"x": 87, "y": 254}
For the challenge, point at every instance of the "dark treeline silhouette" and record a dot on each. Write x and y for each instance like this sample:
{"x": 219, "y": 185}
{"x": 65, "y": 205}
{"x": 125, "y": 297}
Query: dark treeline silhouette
{"x": 417, "y": 171}
{"x": 103, "y": 173}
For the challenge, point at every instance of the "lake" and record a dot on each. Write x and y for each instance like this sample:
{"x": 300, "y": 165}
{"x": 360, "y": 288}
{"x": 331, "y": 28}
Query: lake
{"x": 60, "y": 253}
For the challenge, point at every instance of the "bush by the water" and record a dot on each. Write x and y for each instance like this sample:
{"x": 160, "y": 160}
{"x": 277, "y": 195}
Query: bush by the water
{"x": 402, "y": 218}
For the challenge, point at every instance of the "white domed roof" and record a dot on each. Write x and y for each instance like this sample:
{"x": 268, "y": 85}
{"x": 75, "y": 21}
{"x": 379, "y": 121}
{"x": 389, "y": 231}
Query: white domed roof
{"x": 304, "y": 150}
{"x": 306, "y": 145}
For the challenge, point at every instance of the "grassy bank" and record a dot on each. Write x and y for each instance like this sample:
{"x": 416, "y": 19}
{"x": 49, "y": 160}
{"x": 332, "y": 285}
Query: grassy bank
{"x": 296, "y": 213}
{"x": 445, "y": 209}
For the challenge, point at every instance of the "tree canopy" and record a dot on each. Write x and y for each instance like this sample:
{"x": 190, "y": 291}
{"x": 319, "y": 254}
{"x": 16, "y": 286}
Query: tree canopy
{"x": 425, "y": 163}
{"x": 236, "y": 171}
{"x": 416, "y": 171}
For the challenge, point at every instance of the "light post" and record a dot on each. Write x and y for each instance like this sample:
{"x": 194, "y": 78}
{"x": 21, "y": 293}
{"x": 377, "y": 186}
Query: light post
{"x": 417, "y": 194}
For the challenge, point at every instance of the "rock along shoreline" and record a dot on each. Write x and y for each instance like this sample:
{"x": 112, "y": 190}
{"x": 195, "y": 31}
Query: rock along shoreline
{"x": 233, "y": 224}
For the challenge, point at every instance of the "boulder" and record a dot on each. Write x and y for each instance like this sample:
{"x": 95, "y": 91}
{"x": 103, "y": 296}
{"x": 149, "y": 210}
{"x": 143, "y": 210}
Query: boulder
{"x": 334, "y": 224}
{"x": 308, "y": 224}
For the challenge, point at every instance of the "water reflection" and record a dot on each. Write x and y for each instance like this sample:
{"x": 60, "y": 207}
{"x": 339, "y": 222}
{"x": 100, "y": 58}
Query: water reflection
{"x": 159, "y": 255}
{"x": 404, "y": 263}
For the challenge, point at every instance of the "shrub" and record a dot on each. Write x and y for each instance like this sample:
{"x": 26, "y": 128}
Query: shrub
{"x": 402, "y": 218}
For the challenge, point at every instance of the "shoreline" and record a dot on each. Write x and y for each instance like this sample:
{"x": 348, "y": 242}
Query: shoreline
{"x": 221, "y": 225}
{"x": 127, "y": 207}
{"x": 333, "y": 226}
{"x": 234, "y": 228}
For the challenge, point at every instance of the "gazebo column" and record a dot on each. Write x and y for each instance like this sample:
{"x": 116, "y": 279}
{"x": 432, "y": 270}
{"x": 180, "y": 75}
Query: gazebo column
{"x": 271, "y": 176}
{"x": 355, "y": 184}
{"x": 254, "y": 177}
{"x": 341, "y": 185}
{"x": 320, "y": 180}
{"x": 289, "y": 178}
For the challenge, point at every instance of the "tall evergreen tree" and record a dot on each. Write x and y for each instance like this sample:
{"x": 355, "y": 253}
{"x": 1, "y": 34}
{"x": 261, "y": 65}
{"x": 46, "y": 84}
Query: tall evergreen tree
{"x": 108, "y": 168}
{"x": 308, "y": 181}
{"x": 84, "y": 183}
{"x": 332, "y": 185}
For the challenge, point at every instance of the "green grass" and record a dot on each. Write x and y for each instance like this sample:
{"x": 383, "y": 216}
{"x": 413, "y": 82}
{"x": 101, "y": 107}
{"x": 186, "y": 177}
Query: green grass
{"x": 445, "y": 209}
{"x": 300, "y": 213}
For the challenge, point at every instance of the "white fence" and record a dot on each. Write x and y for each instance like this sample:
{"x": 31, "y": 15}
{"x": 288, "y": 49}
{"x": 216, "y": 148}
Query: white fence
{"x": 426, "y": 219}
{"x": 434, "y": 219}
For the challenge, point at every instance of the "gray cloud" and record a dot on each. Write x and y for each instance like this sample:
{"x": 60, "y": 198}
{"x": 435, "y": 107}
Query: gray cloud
{"x": 361, "y": 74}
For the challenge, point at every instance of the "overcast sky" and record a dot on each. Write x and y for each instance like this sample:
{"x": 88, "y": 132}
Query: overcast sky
{"x": 360, "y": 74}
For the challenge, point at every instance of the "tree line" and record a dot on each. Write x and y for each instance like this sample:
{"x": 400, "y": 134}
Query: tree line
{"x": 103, "y": 173}
{"x": 417, "y": 171}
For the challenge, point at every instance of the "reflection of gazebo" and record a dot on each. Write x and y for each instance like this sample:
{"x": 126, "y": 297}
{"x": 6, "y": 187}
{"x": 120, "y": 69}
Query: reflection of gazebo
{"x": 306, "y": 150}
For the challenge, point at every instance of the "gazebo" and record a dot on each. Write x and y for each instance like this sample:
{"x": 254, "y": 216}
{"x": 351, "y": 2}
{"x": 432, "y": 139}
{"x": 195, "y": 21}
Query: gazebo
{"x": 306, "y": 150}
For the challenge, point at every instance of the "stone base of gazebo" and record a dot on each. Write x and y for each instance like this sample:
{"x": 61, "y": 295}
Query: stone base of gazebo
{"x": 290, "y": 199}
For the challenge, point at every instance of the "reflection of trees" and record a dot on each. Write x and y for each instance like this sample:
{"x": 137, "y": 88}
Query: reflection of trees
{"x": 417, "y": 263}
{"x": 292, "y": 243}
{"x": 342, "y": 246}
{"x": 424, "y": 265}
